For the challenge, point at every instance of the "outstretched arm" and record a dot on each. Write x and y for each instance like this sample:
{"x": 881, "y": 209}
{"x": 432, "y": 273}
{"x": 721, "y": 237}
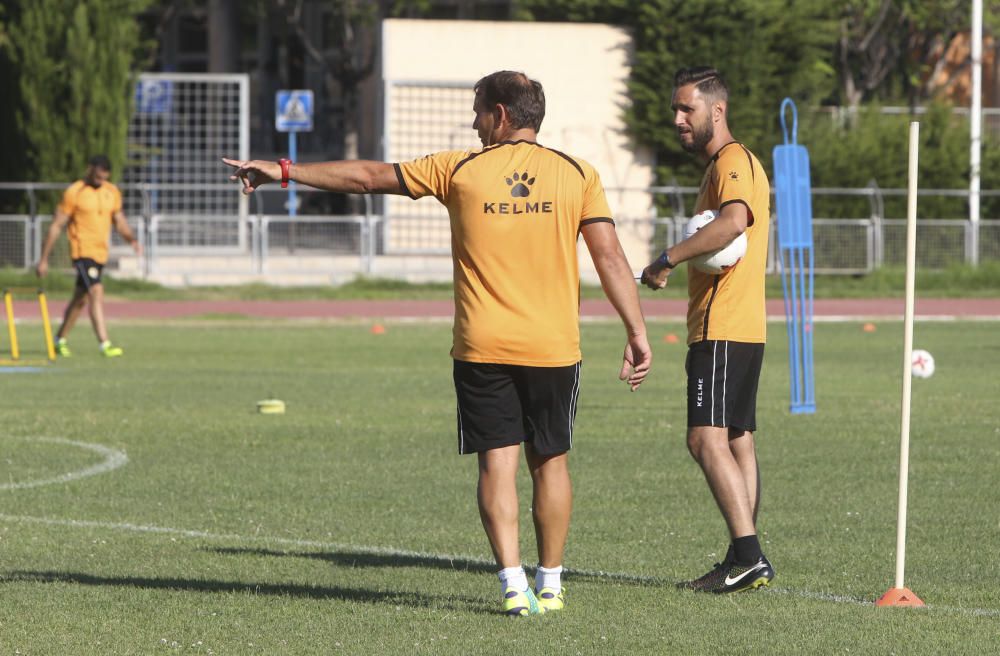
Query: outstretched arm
{"x": 730, "y": 224}
{"x": 59, "y": 221}
{"x": 348, "y": 176}
{"x": 619, "y": 286}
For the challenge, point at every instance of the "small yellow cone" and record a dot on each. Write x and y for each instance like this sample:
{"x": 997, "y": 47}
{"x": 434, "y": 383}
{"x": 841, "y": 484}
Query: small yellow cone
{"x": 271, "y": 407}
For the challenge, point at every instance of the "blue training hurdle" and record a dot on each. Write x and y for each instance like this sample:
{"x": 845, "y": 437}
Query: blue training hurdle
{"x": 793, "y": 206}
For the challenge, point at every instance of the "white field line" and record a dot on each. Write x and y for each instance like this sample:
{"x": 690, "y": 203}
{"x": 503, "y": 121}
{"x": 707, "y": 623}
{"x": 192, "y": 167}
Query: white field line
{"x": 404, "y": 553}
{"x": 113, "y": 459}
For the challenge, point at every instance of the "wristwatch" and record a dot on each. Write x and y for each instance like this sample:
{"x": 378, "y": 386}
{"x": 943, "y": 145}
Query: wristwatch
{"x": 664, "y": 261}
{"x": 286, "y": 164}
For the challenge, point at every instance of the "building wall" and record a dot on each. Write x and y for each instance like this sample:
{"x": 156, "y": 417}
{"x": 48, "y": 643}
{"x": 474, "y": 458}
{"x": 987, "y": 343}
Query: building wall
{"x": 583, "y": 68}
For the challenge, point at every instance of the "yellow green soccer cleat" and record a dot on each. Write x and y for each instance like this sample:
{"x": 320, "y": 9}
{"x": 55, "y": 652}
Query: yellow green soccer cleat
{"x": 521, "y": 603}
{"x": 109, "y": 351}
{"x": 551, "y": 600}
{"x": 62, "y": 349}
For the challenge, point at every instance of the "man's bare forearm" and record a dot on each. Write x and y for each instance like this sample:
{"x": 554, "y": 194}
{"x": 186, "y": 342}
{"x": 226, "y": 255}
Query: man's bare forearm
{"x": 124, "y": 229}
{"x": 349, "y": 177}
{"x": 620, "y": 288}
{"x": 50, "y": 240}
{"x": 729, "y": 225}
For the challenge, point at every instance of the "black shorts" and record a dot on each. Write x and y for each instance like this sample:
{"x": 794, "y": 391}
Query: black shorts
{"x": 722, "y": 383}
{"x": 504, "y": 404}
{"x": 88, "y": 272}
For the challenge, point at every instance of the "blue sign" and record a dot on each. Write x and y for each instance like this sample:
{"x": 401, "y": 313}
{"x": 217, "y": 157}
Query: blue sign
{"x": 153, "y": 96}
{"x": 293, "y": 110}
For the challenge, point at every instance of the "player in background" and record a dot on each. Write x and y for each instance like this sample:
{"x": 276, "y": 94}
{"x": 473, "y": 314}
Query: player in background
{"x": 726, "y": 323}
{"x": 517, "y": 209}
{"x": 88, "y": 209}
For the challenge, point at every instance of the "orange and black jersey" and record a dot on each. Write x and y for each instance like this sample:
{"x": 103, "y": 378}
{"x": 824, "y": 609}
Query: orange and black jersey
{"x": 91, "y": 212}
{"x": 730, "y": 306}
{"x": 516, "y": 210}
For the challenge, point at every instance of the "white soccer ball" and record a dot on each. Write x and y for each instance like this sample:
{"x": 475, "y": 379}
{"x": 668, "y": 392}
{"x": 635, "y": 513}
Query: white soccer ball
{"x": 721, "y": 260}
{"x": 922, "y": 363}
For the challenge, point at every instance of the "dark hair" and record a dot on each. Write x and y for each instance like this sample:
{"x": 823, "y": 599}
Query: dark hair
{"x": 706, "y": 79}
{"x": 100, "y": 162}
{"x": 522, "y": 96}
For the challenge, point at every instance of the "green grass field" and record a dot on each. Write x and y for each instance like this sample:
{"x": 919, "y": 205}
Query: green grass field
{"x": 958, "y": 281}
{"x": 349, "y": 524}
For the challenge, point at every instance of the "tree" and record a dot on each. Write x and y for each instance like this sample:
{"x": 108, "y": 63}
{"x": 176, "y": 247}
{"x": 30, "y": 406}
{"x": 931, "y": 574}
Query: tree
{"x": 766, "y": 49}
{"x": 887, "y": 48}
{"x": 347, "y": 60}
{"x": 72, "y": 77}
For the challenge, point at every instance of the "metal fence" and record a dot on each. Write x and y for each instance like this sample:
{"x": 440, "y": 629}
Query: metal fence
{"x": 339, "y": 247}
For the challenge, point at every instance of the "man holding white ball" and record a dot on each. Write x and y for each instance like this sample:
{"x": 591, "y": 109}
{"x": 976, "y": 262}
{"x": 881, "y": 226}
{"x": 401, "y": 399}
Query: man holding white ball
{"x": 726, "y": 246}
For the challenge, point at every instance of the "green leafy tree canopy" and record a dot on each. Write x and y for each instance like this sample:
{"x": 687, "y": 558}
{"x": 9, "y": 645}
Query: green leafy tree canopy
{"x": 72, "y": 74}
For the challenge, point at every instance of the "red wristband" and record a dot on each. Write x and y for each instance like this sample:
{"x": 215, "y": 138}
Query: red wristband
{"x": 286, "y": 164}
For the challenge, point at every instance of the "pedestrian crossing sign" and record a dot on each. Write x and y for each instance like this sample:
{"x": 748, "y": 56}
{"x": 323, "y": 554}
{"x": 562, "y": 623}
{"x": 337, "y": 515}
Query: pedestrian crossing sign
{"x": 293, "y": 110}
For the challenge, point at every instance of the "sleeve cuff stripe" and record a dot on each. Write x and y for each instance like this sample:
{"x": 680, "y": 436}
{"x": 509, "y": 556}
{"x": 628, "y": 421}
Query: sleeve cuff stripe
{"x": 740, "y": 200}
{"x": 402, "y": 182}
{"x": 597, "y": 219}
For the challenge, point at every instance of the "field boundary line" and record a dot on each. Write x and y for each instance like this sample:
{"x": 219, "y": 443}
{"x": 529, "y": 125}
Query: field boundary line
{"x": 113, "y": 459}
{"x": 389, "y": 551}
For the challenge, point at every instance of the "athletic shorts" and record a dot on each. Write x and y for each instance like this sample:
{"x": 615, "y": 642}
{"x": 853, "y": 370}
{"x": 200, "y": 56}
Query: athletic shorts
{"x": 503, "y": 404}
{"x": 722, "y": 383}
{"x": 88, "y": 272}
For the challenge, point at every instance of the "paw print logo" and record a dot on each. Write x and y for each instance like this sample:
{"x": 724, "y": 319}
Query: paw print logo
{"x": 520, "y": 185}
{"x": 733, "y": 175}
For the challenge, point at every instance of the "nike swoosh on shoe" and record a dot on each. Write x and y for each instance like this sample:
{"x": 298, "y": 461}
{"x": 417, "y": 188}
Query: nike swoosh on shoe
{"x": 733, "y": 581}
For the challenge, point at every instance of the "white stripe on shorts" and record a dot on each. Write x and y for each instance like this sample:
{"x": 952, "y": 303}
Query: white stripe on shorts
{"x": 715, "y": 347}
{"x": 572, "y": 403}
{"x": 725, "y": 374}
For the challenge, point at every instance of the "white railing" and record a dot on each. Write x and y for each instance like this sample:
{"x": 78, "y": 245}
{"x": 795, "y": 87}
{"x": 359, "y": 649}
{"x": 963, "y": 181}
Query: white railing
{"x": 338, "y": 247}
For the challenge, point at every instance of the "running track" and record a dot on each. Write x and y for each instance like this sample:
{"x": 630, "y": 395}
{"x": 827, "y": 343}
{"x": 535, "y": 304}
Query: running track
{"x": 831, "y": 309}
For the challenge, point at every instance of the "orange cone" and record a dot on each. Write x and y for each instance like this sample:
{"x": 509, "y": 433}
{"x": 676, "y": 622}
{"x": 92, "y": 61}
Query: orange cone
{"x": 868, "y": 327}
{"x": 670, "y": 338}
{"x": 899, "y": 597}
{"x": 378, "y": 329}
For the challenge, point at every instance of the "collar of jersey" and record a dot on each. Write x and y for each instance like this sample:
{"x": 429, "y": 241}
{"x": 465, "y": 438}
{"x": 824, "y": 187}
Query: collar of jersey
{"x": 722, "y": 148}
{"x": 514, "y": 143}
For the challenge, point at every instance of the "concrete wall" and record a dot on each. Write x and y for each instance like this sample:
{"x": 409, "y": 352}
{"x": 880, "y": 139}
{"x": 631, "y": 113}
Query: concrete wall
{"x": 583, "y": 68}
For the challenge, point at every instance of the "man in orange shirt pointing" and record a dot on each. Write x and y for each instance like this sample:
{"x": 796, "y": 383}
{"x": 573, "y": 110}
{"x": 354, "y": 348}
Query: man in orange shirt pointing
{"x": 88, "y": 209}
{"x": 517, "y": 209}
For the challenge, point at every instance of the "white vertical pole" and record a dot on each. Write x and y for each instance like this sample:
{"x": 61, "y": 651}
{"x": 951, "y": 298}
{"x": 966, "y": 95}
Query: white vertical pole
{"x": 975, "y": 129}
{"x": 243, "y": 201}
{"x": 293, "y": 154}
{"x": 244, "y": 145}
{"x": 911, "y": 265}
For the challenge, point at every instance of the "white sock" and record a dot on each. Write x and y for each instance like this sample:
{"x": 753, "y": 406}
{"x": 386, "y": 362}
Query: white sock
{"x": 549, "y": 577}
{"x": 513, "y": 577}
{"x": 61, "y": 340}
{"x": 105, "y": 344}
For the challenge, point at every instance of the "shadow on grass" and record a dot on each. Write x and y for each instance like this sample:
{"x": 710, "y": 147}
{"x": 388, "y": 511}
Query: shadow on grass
{"x": 370, "y": 559}
{"x": 338, "y": 593}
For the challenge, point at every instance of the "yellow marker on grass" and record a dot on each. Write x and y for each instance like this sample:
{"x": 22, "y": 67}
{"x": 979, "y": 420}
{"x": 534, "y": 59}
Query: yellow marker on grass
{"x": 8, "y": 303}
{"x": 271, "y": 407}
{"x": 43, "y": 305}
